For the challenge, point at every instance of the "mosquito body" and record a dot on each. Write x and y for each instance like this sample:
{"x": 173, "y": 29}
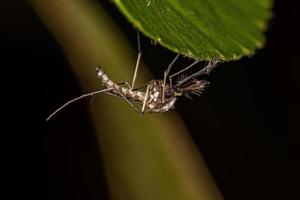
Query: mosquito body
{"x": 153, "y": 97}
{"x": 159, "y": 95}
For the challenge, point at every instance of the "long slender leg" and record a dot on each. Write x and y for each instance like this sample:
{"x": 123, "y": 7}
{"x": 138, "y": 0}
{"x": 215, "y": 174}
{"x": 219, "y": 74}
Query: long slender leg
{"x": 145, "y": 100}
{"x": 126, "y": 83}
{"x": 181, "y": 71}
{"x": 166, "y": 73}
{"x": 76, "y": 99}
{"x": 122, "y": 83}
{"x": 206, "y": 70}
{"x": 117, "y": 91}
{"x": 137, "y": 61}
{"x": 121, "y": 95}
{"x": 143, "y": 86}
{"x": 211, "y": 66}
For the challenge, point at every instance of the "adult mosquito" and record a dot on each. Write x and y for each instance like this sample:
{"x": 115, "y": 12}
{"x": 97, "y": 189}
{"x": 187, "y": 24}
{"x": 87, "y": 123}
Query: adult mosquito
{"x": 156, "y": 95}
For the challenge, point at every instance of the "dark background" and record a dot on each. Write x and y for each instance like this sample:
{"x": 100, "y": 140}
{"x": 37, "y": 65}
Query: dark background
{"x": 250, "y": 114}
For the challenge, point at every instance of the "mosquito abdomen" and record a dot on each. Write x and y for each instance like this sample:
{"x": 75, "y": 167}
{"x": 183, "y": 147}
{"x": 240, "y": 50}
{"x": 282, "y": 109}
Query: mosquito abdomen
{"x": 127, "y": 92}
{"x": 104, "y": 78}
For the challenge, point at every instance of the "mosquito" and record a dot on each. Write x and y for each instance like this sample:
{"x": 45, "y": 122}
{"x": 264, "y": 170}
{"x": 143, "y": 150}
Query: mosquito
{"x": 159, "y": 95}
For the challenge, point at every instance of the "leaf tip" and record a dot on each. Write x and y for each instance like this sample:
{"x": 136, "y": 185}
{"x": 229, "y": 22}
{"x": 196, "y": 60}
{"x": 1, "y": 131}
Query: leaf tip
{"x": 189, "y": 54}
{"x": 246, "y": 51}
{"x": 261, "y": 25}
{"x": 236, "y": 57}
{"x": 158, "y": 39}
{"x": 260, "y": 44}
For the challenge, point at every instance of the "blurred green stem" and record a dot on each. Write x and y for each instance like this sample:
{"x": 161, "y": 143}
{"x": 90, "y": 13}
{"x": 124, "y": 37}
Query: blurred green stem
{"x": 148, "y": 157}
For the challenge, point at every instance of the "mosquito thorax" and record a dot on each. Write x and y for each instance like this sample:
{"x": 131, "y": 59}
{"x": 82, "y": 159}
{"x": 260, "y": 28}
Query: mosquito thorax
{"x": 155, "y": 90}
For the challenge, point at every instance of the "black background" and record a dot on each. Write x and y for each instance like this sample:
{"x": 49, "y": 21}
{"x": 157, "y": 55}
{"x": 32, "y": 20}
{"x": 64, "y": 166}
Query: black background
{"x": 250, "y": 114}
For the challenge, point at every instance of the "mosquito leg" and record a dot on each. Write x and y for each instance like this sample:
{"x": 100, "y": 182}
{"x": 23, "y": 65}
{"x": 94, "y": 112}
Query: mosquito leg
{"x": 92, "y": 99}
{"x": 76, "y": 99}
{"x": 121, "y": 95}
{"x": 206, "y": 70}
{"x": 181, "y": 71}
{"x": 123, "y": 83}
{"x": 166, "y": 73}
{"x": 210, "y": 66}
{"x": 146, "y": 98}
{"x": 143, "y": 86}
{"x": 127, "y": 84}
{"x": 137, "y": 61}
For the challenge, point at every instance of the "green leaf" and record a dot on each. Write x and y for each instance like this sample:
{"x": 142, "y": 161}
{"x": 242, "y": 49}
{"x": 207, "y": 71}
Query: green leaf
{"x": 201, "y": 29}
